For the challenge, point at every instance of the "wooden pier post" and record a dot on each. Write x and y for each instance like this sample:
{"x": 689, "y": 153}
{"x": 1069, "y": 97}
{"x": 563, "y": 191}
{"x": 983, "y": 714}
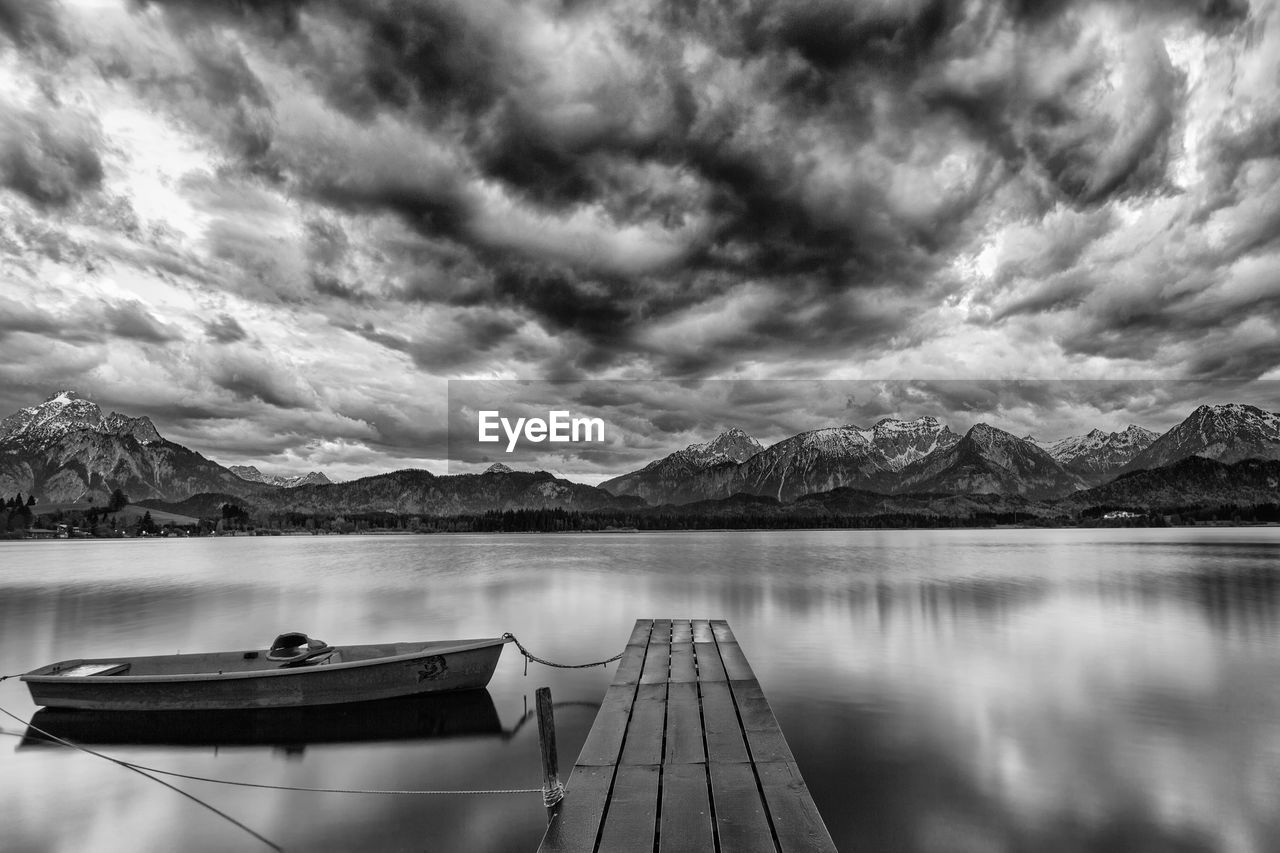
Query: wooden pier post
{"x": 552, "y": 790}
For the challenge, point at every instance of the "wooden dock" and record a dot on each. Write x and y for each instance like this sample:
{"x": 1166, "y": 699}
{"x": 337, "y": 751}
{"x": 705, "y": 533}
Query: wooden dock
{"x": 685, "y": 756}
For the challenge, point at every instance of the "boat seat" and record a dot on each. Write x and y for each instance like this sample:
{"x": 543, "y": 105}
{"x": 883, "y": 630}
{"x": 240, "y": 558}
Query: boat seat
{"x": 296, "y": 649}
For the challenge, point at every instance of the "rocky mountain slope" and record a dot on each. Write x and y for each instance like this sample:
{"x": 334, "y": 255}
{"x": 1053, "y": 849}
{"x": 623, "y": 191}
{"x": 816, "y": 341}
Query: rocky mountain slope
{"x": 661, "y": 480}
{"x": 813, "y": 461}
{"x": 65, "y": 449}
{"x": 1227, "y": 433}
{"x": 989, "y": 460}
{"x": 1098, "y": 456}
{"x": 825, "y": 459}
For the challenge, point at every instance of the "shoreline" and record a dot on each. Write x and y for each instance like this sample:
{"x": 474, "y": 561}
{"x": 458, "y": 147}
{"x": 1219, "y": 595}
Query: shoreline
{"x": 880, "y": 528}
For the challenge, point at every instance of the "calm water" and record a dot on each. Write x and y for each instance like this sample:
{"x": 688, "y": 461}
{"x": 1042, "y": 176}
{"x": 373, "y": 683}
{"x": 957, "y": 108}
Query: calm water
{"x": 948, "y": 691}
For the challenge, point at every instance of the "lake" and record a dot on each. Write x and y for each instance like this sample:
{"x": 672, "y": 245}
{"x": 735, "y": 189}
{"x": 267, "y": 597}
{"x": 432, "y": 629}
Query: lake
{"x": 1006, "y": 690}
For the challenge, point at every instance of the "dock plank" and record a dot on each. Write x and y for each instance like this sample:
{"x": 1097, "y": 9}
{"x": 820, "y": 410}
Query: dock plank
{"x": 702, "y": 632}
{"x": 720, "y": 722}
{"x": 710, "y": 667}
{"x": 644, "y": 732}
{"x": 684, "y": 666}
{"x": 735, "y": 662}
{"x": 603, "y": 745}
{"x": 632, "y": 819}
{"x": 577, "y": 817}
{"x": 752, "y": 706}
{"x": 795, "y": 817}
{"x": 640, "y": 633}
{"x": 657, "y": 663}
{"x": 741, "y": 821}
{"x": 631, "y": 665}
{"x": 681, "y": 631}
{"x": 768, "y": 746}
{"x": 722, "y": 632}
{"x": 684, "y": 725}
{"x": 686, "y": 810}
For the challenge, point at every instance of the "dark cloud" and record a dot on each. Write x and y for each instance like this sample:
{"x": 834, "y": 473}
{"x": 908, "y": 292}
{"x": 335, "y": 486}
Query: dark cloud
{"x": 88, "y": 322}
{"x": 832, "y": 35}
{"x": 131, "y": 320}
{"x": 49, "y": 154}
{"x": 327, "y": 242}
{"x": 225, "y": 330}
{"x": 279, "y": 18}
{"x": 428, "y": 61}
{"x": 17, "y": 317}
{"x": 1234, "y": 358}
{"x": 595, "y": 306}
{"x": 462, "y": 340}
{"x": 254, "y": 376}
{"x": 1209, "y": 11}
{"x": 32, "y": 23}
{"x": 328, "y": 285}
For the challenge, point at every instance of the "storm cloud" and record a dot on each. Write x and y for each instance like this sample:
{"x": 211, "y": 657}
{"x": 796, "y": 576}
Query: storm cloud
{"x": 279, "y": 197}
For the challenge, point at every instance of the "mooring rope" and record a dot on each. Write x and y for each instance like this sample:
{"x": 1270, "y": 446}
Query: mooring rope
{"x": 530, "y": 656}
{"x": 143, "y": 767}
{"x": 143, "y": 771}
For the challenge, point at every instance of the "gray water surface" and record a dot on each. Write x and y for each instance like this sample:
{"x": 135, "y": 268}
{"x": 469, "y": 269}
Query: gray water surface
{"x": 1010, "y": 690}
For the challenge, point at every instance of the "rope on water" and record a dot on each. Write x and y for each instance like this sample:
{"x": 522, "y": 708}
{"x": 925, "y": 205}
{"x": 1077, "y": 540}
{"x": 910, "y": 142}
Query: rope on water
{"x": 333, "y": 790}
{"x": 142, "y": 771}
{"x": 142, "y": 768}
{"x": 530, "y": 656}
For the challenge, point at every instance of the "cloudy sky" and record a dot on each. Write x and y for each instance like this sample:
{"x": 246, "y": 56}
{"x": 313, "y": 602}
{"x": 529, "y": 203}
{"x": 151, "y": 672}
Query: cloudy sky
{"x": 278, "y": 227}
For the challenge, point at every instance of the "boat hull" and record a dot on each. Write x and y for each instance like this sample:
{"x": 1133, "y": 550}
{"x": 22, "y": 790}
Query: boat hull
{"x": 352, "y": 675}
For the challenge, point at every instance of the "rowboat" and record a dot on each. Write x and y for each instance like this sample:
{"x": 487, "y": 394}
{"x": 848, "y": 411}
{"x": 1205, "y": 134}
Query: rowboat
{"x": 296, "y": 671}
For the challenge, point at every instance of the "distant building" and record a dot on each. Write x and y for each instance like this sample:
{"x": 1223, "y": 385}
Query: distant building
{"x": 1122, "y": 513}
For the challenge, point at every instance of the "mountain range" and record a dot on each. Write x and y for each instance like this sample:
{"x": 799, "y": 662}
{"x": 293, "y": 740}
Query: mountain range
{"x": 65, "y": 449}
{"x": 1096, "y": 455}
{"x": 813, "y": 461}
{"x": 253, "y": 475}
{"x": 922, "y": 456}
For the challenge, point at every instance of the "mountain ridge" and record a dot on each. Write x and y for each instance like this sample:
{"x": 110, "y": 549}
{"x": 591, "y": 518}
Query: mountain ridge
{"x": 253, "y": 475}
{"x": 66, "y": 449}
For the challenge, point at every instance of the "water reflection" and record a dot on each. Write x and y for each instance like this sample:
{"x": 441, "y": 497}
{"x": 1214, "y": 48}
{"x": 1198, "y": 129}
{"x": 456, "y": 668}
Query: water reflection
{"x": 467, "y": 713}
{"x": 942, "y": 690}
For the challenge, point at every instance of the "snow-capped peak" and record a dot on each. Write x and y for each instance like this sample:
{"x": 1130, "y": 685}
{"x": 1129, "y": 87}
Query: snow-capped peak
{"x": 61, "y": 398}
{"x": 1226, "y": 432}
{"x": 733, "y": 444}
{"x": 1097, "y": 452}
{"x": 58, "y": 415}
{"x": 902, "y": 442}
{"x": 989, "y": 437}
